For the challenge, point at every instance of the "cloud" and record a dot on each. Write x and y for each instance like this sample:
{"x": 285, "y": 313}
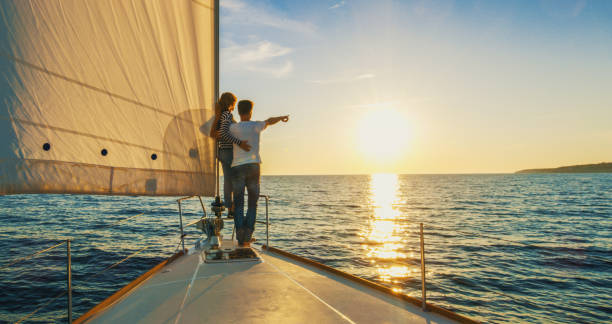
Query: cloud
{"x": 391, "y": 103}
{"x": 338, "y": 5}
{"x": 239, "y": 12}
{"x": 384, "y": 104}
{"x": 232, "y": 4}
{"x": 277, "y": 71}
{"x": 364, "y": 76}
{"x": 254, "y": 52}
{"x": 433, "y": 10}
{"x": 258, "y": 56}
{"x": 563, "y": 8}
{"x": 345, "y": 80}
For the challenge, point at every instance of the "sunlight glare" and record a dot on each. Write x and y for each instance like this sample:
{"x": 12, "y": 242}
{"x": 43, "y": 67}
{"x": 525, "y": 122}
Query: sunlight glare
{"x": 383, "y": 134}
{"x": 383, "y": 239}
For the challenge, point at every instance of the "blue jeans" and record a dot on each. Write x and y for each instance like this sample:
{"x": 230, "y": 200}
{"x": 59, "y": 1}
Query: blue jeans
{"x": 226, "y": 155}
{"x": 246, "y": 175}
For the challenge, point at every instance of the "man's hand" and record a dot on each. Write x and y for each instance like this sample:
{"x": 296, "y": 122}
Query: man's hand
{"x": 243, "y": 145}
{"x": 274, "y": 120}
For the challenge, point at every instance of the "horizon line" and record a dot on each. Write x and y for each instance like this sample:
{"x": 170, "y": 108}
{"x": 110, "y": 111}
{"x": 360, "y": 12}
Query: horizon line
{"x": 373, "y": 173}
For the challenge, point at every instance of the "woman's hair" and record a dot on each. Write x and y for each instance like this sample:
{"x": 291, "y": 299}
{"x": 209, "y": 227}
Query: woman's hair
{"x": 225, "y": 101}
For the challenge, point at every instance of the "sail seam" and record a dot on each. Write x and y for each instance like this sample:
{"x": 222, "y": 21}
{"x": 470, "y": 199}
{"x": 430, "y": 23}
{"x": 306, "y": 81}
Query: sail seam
{"x": 85, "y": 85}
{"x": 106, "y": 166}
{"x": 202, "y": 4}
{"x": 55, "y": 128}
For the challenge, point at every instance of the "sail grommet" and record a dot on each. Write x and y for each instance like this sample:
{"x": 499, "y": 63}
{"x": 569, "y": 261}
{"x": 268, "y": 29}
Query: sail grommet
{"x": 104, "y": 152}
{"x": 154, "y": 156}
{"x": 46, "y": 146}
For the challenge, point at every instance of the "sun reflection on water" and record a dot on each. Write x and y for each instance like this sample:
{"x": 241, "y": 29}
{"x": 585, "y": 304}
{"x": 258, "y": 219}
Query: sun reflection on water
{"x": 383, "y": 240}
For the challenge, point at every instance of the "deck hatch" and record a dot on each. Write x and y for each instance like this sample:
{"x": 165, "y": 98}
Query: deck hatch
{"x": 235, "y": 255}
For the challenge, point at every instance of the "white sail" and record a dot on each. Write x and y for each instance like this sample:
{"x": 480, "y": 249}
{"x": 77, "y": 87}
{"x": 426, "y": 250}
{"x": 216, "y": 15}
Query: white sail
{"x": 107, "y": 97}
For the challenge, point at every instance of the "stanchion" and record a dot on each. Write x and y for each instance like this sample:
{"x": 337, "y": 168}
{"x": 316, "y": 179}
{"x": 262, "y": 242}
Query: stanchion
{"x": 423, "y": 286}
{"x": 181, "y": 221}
{"x": 69, "y": 278}
{"x": 267, "y": 224}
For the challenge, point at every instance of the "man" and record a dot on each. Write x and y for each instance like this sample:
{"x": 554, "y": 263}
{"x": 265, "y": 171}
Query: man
{"x": 245, "y": 169}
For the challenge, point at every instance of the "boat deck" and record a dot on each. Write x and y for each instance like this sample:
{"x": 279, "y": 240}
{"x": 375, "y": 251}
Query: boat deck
{"x": 279, "y": 290}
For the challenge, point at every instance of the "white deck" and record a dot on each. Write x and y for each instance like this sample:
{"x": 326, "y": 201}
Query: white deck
{"x": 277, "y": 290}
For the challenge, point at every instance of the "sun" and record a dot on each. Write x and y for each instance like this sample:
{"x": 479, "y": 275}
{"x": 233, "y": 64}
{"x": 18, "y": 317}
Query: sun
{"x": 383, "y": 134}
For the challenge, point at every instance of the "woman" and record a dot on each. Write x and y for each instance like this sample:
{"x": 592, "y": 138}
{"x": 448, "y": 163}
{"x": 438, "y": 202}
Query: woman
{"x": 225, "y": 141}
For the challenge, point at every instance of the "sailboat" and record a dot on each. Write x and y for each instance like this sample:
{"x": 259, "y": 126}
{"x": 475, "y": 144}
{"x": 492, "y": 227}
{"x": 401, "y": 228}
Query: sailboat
{"x": 116, "y": 98}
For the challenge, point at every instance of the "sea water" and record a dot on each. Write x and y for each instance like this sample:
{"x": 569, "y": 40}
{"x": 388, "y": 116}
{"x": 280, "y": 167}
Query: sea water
{"x": 498, "y": 248}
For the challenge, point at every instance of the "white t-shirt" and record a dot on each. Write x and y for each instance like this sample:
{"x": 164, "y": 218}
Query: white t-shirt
{"x": 247, "y": 131}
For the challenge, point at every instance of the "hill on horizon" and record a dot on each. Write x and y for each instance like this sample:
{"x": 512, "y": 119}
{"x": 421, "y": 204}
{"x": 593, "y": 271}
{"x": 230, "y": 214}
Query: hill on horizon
{"x": 603, "y": 167}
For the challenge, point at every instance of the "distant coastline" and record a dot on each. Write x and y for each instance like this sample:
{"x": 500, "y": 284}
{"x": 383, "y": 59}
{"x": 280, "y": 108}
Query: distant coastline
{"x": 604, "y": 167}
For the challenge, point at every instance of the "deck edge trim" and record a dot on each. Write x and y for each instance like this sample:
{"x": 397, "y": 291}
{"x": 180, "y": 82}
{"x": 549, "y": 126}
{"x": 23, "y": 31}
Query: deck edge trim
{"x": 126, "y": 289}
{"x": 417, "y": 302}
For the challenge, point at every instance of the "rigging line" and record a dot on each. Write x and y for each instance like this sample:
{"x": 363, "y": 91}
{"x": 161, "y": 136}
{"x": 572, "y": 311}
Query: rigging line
{"x": 128, "y": 218}
{"x": 179, "y": 244}
{"x": 105, "y": 226}
{"x": 123, "y": 220}
{"x": 31, "y": 255}
{"x": 80, "y": 164}
{"x": 92, "y": 260}
{"x": 40, "y": 307}
{"x": 119, "y": 262}
{"x": 85, "y": 85}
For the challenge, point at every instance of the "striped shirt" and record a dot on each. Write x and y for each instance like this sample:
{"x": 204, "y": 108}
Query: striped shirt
{"x": 226, "y": 139}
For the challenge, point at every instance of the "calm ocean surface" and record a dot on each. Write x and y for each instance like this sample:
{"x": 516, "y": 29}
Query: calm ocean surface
{"x": 559, "y": 269}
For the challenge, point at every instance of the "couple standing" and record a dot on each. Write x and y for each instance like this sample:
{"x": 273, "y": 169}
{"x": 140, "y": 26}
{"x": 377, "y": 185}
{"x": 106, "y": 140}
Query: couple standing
{"x": 238, "y": 152}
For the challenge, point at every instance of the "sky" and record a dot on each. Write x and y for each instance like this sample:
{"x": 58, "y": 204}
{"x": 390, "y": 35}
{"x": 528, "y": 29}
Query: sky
{"x": 415, "y": 87}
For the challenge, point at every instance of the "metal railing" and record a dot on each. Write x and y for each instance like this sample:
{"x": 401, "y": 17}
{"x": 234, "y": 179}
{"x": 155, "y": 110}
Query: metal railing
{"x": 183, "y": 235}
{"x": 68, "y": 279}
{"x": 515, "y": 298}
{"x": 267, "y": 220}
{"x": 178, "y": 201}
{"x": 69, "y": 284}
{"x": 423, "y": 283}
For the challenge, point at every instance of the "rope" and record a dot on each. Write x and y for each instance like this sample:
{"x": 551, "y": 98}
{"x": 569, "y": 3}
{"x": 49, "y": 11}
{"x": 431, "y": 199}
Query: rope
{"x": 177, "y": 246}
{"x": 130, "y": 217}
{"x": 123, "y": 220}
{"x": 31, "y": 255}
{"x": 40, "y": 307}
{"x": 119, "y": 262}
{"x": 112, "y": 266}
